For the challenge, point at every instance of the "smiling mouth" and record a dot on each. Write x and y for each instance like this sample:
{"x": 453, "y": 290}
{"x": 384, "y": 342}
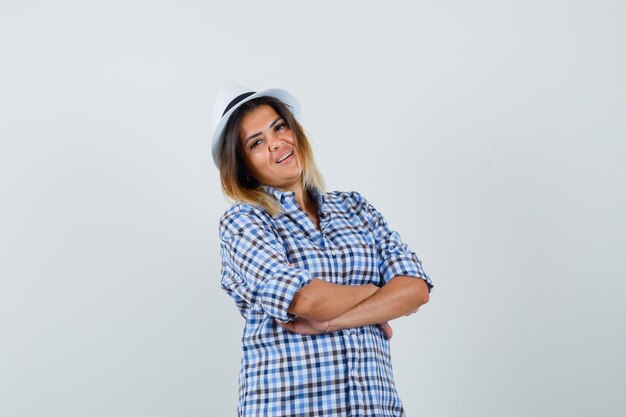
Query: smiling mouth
{"x": 282, "y": 158}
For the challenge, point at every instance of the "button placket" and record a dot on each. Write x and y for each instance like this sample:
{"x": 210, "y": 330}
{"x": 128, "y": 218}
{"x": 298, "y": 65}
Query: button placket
{"x": 356, "y": 391}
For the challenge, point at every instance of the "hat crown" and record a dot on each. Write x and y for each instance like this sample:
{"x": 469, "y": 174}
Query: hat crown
{"x": 227, "y": 94}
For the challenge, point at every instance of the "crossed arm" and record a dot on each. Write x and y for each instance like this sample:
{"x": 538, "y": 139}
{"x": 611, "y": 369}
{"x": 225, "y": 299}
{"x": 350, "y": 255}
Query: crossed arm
{"x": 256, "y": 272}
{"x": 325, "y": 307}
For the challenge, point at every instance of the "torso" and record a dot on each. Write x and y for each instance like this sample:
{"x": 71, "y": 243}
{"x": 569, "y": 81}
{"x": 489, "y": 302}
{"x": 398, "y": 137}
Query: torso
{"x": 343, "y": 241}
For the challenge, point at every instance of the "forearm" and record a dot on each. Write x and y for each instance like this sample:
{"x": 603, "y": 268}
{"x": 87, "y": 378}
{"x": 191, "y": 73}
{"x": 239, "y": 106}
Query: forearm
{"x": 399, "y": 297}
{"x": 321, "y": 300}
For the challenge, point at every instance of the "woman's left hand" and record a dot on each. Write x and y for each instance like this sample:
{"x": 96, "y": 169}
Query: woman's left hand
{"x": 304, "y": 326}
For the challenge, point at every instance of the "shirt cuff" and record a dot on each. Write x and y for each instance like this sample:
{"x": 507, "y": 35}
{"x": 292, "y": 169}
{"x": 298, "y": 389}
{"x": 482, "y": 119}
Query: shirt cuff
{"x": 279, "y": 291}
{"x": 405, "y": 265}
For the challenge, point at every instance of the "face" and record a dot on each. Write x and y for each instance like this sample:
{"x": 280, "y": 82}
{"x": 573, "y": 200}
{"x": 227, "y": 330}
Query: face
{"x": 269, "y": 149}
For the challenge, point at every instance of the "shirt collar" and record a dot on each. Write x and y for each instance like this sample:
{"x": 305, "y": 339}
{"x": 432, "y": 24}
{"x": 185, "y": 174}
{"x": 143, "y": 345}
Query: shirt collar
{"x": 282, "y": 196}
{"x": 287, "y": 199}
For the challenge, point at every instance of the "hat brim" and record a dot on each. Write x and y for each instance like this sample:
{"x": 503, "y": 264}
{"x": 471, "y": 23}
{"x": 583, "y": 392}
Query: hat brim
{"x": 218, "y": 134}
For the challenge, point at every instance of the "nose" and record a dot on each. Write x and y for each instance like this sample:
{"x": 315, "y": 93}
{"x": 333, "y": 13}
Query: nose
{"x": 275, "y": 143}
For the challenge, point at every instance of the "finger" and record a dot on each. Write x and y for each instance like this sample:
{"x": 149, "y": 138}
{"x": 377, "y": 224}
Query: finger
{"x": 287, "y": 326}
{"x": 387, "y": 330}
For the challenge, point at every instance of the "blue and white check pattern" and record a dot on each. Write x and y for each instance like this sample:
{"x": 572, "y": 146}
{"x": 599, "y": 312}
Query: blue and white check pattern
{"x": 266, "y": 260}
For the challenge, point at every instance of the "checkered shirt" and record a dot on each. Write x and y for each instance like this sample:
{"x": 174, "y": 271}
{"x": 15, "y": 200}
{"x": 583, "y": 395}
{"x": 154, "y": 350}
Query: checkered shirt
{"x": 266, "y": 260}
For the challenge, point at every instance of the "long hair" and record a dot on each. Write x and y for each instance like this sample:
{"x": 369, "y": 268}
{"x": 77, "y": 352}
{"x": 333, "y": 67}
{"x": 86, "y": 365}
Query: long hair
{"x": 237, "y": 183}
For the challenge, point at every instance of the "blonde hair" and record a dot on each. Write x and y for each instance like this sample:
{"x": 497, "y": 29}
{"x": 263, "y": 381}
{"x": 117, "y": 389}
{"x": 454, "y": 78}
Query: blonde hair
{"x": 237, "y": 183}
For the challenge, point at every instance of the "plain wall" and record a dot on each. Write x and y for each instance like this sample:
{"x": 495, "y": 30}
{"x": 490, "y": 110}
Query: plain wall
{"x": 491, "y": 134}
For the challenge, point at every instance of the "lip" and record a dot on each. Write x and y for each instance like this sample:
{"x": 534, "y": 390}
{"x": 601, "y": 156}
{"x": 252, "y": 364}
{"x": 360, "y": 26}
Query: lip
{"x": 289, "y": 158}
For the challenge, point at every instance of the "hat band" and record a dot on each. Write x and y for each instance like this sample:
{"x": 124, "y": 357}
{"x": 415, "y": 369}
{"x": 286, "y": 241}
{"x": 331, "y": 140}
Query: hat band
{"x": 237, "y": 100}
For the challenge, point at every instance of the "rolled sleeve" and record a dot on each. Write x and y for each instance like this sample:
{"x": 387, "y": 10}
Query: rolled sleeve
{"x": 278, "y": 292}
{"x": 255, "y": 270}
{"x": 395, "y": 257}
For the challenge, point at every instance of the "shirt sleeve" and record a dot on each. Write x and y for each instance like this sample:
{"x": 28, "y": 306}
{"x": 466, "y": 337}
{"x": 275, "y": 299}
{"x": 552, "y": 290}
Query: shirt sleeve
{"x": 255, "y": 270}
{"x": 395, "y": 257}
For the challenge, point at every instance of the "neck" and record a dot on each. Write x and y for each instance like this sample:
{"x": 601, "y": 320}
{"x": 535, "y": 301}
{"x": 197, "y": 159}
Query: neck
{"x": 307, "y": 203}
{"x": 302, "y": 197}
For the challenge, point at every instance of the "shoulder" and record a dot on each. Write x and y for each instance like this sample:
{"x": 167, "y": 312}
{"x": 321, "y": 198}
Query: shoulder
{"x": 346, "y": 200}
{"x": 349, "y": 205}
{"x": 241, "y": 216}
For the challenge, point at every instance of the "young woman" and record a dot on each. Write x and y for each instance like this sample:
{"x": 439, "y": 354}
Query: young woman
{"x": 315, "y": 275}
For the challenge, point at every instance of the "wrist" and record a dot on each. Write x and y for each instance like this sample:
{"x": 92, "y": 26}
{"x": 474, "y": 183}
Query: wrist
{"x": 335, "y": 325}
{"x": 372, "y": 288}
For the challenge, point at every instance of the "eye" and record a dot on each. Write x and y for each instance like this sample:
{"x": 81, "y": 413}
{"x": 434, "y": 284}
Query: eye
{"x": 281, "y": 126}
{"x": 255, "y": 143}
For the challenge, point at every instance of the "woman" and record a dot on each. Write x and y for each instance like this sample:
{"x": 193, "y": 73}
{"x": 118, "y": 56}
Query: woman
{"x": 315, "y": 275}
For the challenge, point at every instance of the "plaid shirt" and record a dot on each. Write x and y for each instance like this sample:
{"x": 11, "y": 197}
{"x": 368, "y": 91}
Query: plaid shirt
{"x": 266, "y": 260}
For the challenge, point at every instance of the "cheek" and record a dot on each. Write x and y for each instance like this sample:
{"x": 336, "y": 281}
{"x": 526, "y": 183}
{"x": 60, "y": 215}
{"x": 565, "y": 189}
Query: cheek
{"x": 289, "y": 137}
{"x": 256, "y": 162}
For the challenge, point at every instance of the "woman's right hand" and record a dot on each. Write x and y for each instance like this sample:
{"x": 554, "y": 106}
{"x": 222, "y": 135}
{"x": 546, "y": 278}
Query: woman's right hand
{"x": 304, "y": 326}
{"x": 387, "y": 330}
{"x": 301, "y": 325}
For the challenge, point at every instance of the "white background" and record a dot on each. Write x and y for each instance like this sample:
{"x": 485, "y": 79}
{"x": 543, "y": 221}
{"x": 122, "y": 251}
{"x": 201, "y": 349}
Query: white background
{"x": 491, "y": 134}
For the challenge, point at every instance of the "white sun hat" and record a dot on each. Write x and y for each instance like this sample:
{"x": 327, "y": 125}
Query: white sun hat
{"x": 230, "y": 98}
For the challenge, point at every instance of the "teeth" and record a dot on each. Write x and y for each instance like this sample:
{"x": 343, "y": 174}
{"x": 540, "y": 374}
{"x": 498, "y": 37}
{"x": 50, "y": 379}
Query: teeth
{"x": 285, "y": 157}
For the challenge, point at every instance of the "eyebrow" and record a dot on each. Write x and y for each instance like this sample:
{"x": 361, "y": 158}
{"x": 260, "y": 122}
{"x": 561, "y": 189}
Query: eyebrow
{"x": 279, "y": 118}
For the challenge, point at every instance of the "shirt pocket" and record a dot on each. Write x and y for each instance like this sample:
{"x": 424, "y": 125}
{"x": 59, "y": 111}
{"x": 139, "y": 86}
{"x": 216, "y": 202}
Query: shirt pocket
{"x": 360, "y": 258}
{"x": 303, "y": 253}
